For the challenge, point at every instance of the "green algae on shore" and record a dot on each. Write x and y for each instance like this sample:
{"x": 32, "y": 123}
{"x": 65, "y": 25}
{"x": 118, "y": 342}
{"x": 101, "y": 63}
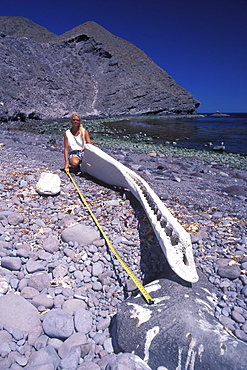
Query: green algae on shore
{"x": 105, "y": 136}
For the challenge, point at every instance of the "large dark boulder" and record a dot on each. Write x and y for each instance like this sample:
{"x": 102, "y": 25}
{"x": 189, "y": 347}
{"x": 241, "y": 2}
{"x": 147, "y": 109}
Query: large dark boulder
{"x": 179, "y": 331}
{"x": 87, "y": 69}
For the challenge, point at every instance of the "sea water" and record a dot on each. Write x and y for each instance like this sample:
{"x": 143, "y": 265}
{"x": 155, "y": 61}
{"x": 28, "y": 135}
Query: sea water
{"x": 201, "y": 133}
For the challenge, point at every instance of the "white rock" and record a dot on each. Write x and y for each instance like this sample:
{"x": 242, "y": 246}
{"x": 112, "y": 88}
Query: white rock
{"x": 48, "y": 184}
{"x": 4, "y": 286}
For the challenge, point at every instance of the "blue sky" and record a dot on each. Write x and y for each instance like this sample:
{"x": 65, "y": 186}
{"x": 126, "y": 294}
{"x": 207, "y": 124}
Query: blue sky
{"x": 201, "y": 44}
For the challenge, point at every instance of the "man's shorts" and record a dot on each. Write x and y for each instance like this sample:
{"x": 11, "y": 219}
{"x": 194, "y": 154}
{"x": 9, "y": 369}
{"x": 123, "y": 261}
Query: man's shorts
{"x": 76, "y": 153}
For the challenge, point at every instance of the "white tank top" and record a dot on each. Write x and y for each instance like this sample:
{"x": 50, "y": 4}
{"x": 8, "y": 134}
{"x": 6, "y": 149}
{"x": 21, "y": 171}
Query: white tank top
{"x": 75, "y": 142}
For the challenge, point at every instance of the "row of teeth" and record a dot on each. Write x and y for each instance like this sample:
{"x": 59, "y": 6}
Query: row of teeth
{"x": 168, "y": 229}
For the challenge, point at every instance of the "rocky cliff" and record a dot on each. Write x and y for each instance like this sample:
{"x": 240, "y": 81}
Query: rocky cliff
{"x": 87, "y": 70}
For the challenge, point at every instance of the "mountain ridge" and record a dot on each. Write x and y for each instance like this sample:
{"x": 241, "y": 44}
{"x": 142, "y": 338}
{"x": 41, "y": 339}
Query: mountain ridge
{"x": 86, "y": 69}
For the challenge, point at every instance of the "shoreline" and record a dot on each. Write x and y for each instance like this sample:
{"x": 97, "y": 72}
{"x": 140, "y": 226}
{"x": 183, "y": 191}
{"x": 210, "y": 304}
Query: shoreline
{"x": 55, "y": 132}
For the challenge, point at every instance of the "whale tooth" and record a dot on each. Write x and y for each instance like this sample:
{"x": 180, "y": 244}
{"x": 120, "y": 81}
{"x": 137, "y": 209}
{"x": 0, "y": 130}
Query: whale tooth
{"x": 163, "y": 222}
{"x": 143, "y": 188}
{"x": 159, "y": 215}
{"x": 174, "y": 238}
{"x": 168, "y": 230}
{"x": 153, "y": 206}
{"x": 156, "y": 209}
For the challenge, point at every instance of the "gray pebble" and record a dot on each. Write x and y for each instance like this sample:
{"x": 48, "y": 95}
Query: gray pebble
{"x": 237, "y": 317}
{"x": 4, "y": 349}
{"x": 15, "y": 219}
{"x": 244, "y": 291}
{"x": 34, "y": 266}
{"x": 241, "y": 335}
{"x": 83, "y": 320}
{"x": 97, "y": 269}
{"x": 75, "y": 340}
{"x": 230, "y": 272}
{"x": 11, "y": 263}
{"x": 51, "y": 244}
{"x": 71, "y": 360}
{"x": 58, "y": 324}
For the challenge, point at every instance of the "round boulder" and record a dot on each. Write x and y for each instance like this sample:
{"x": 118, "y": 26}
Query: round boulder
{"x": 81, "y": 234}
{"x": 18, "y": 313}
{"x": 179, "y": 330}
{"x": 58, "y": 324}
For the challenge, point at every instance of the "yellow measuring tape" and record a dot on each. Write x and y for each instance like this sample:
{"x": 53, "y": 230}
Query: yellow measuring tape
{"x": 127, "y": 269}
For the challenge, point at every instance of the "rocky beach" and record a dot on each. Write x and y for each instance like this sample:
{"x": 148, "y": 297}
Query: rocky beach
{"x": 60, "y": 290}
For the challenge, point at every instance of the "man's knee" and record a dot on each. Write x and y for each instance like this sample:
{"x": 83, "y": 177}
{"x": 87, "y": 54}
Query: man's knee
{"x": 74, "y": 161}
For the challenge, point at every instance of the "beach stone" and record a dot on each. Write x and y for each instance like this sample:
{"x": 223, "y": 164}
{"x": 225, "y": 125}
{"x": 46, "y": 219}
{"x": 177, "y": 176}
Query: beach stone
{"x": 107, "y": 345}
{"x": 58, "y": 301}
{"x": 71, "y": 360}
{"x": 20, "y": 360}
{"x": 241, "y": 335}
{"x": 55, "y": 343}
{"x": 51, "y": 244}
{"x": 3, "y": 245}
{"x": 222, "y": 262}
{"x": 34, "y": 335}
{"x": 15, "y": 219}
{"x": 235, "y": 190}
{"x": 217, "y": 215}
{"x": 75, "y": 340}
{"x": 17, "y": 334}
{"x": 39, "y": 281}
{"x": 81, "y": 234}
{"x": 4, "y": 286}
{"x": 244, "y": 291}
{"x": 99, "y": 338}
{"x": 97, "y": 286}
{"x": 41, "y": 342}
{"x": 97, "y": 269}
{"x": 4, "y": 349}
{"x": 112, "y": 203}
{"x": 244, "y": 327}
{"x": 60, "y": 270}
{"x": 48, "y": 184}
{"x": 87, "y": 350}
{"x": 72, "y": 305}
{"x": 29, "y": 292}
{"x": 227, "y": 321}
{"x": 146, "y": 330}
{"x": 44, "y": 359}
{"x": 18, "y": 313}
{"x": 230, "y": 272}
{"x": 58, "y": 324}
{"x": 199, "y": 236}
{"x": 127, "y": 361}
{"x": 11, "y": 263}
{"x": 5, "y": 336}
{"x": 22, "y": 253}
{"x": 106, "y": 358}
{"x": 244, "y": 265}
{"x": 42, "y": 300}
{"x": 103, "y": 323}
{"x": 34, "y": 266}
{"x": 83, "y": 320}
{"x": 236, "y": 316}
